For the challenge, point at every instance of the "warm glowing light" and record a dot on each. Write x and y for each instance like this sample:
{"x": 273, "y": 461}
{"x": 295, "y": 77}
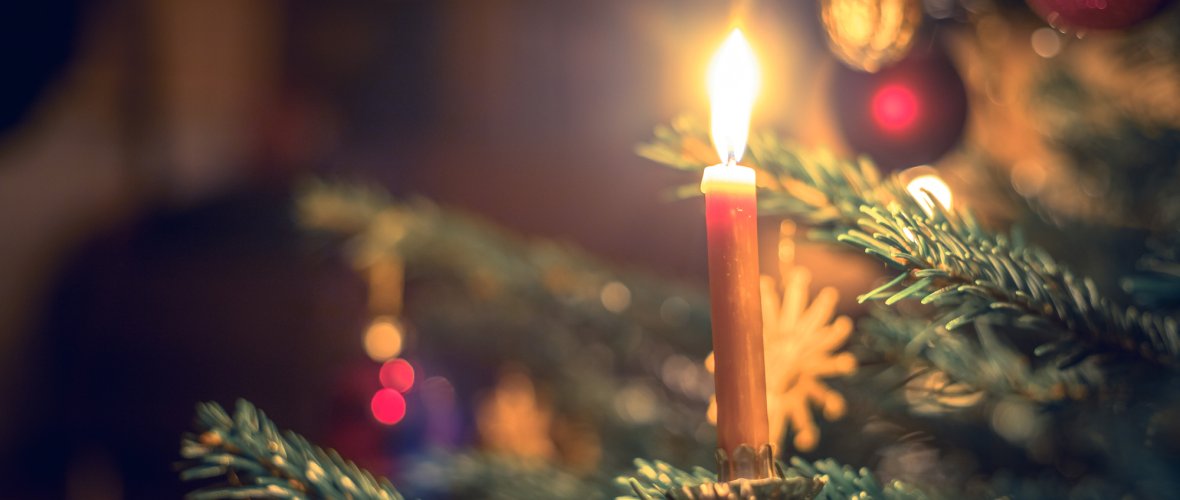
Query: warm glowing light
{"x": 383, "y": 339}
{"x": 512, "y": 420}
{"x": 895, "y": 108}
{"x": 388, "y": 406}
{"x": 934, "y": 393}
{"x": 1046, "y": 42}
{"x": 932, "y": 184}
{"x": 397, "y": 374}
{"x": 616, "y": 297}
{"x": 733, "y": 85}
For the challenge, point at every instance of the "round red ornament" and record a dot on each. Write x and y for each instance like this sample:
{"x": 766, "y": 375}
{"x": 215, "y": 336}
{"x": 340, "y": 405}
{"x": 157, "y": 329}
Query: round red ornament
{"x": 907, "y": 114}
{"x": 1096, "y": 14}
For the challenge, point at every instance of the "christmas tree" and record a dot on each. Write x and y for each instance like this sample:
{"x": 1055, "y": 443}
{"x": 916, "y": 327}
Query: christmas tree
{"x": 994, "y": 367}
{"x": 961, "y": 280}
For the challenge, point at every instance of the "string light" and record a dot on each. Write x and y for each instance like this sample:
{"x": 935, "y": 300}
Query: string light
{"x": 1046, "y": 42}
{"x": 397, "y": 374}
{"x": 384, "y": 338}
{"x": 388, "y": 406}
{"x": 615, "y": 297}
{"x": 923, "y": 187}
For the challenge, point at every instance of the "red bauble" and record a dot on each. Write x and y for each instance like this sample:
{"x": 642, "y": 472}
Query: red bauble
{"x": 1096, "y": 14}
{"x": 904, "y": 115}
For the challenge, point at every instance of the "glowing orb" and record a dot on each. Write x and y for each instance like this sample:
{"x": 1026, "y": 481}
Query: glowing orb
{"x": 389, "y": 407}
{"x": 383, "y": 339}
{"x": 397, "y": 374}
{"x": 925, "y": 186}
{"x": 895, "y": 108}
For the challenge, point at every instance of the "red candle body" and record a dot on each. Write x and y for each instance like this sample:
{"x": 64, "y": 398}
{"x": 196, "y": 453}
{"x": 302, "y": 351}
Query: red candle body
{"x": 740, "y": 367}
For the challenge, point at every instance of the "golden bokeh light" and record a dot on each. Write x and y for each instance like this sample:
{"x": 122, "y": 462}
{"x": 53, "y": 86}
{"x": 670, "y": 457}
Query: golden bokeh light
{"x": 870, "y": 34}
{"x": 615, "y": 297}
{"x": 1046, "y": 42}
{"x": 384, "y": 338}
{"x": 923, "y": 187}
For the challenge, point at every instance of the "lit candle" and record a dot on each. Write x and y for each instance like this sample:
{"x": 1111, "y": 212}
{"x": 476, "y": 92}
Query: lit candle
{"x": 731, "y": 219}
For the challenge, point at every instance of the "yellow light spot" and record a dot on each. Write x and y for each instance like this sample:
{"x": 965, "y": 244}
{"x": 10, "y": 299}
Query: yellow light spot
{"x": 383, "y": 340}
{"x": 513, "y": 420}
{"x": 870, "y": 34}
{"x": 616, "y": 297}
{"x": 1046, "y": 42}
{"x": 925, "y": 186}
{"x": 934, "y": 393}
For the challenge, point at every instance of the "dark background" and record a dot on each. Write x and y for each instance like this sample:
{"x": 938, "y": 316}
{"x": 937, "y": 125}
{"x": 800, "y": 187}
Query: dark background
{"x": 149, "y": 258}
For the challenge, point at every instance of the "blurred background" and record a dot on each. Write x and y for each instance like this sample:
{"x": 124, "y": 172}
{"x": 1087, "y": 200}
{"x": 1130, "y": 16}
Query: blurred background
{"x": 150, "y": 257}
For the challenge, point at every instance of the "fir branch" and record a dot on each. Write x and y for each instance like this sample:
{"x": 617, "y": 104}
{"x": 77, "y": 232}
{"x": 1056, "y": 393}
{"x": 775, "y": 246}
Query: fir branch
{"x": 258, "y": 461}
{"x": 945, "y": 258}
{"x": 653, "y": 480}
{"x": 1157, "y": 282}
{"x": 482, "y": 294}
{"x": 845, "y": 482}
{"x": 818, "y": 188}
{"x": 954, "y": 265}
{"x": 988, "y": 364}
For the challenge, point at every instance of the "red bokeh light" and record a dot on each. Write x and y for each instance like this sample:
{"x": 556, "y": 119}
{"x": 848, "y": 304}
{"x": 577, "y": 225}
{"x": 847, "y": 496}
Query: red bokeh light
{"x": 397, "y": 374}
{"x": 389, "y": 407}
{"x": 895, "y": 108}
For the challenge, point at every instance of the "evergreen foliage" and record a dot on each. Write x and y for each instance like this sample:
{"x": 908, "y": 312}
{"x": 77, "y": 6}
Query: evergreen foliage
{"x": 651, "y": 480}
{"x": 990, "y": 365}
{"x": 253, "y": 459}
{"x": 941, "y": 256}
{"x": 486, "y": 299}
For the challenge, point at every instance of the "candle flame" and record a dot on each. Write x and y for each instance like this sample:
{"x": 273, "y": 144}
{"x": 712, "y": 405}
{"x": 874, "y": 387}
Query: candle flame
{"x": 733, "y": 85}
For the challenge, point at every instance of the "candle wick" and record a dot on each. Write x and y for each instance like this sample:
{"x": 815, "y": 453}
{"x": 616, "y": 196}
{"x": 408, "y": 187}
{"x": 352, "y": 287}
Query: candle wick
{"x": 731, "y": 159}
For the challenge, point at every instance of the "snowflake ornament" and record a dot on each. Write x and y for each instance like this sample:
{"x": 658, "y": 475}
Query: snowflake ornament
{"x": 801, "y": 341}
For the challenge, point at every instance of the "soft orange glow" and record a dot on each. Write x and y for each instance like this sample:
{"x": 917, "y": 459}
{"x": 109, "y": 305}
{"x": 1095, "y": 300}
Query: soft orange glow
{"x": 870, "y": 34}
{"x": 512, "y": 420}
{"x": 383, "y": 339}
{"x": 733, "y": 86}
